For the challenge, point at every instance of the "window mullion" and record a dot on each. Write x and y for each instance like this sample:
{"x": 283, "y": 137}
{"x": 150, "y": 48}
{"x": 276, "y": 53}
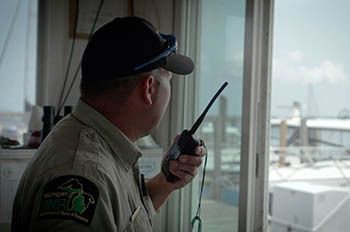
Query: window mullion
{"x": 254, "y": 159}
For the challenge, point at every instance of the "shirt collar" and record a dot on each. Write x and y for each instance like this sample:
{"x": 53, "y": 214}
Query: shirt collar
{"x": 121, "y": 145}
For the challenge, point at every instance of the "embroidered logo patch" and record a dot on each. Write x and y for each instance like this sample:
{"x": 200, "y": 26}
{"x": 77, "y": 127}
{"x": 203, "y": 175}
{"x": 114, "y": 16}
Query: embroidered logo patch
{"x": 69, "y": 197}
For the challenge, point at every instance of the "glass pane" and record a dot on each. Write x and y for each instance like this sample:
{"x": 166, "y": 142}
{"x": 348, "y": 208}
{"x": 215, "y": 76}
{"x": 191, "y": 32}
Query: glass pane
{"x": 310, "y": 125}
{"x": 18, "y": 40}
{"x": 221, "y": 59}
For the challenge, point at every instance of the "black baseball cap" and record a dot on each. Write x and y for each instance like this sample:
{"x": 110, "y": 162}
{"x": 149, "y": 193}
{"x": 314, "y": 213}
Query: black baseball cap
{"x": 128, "y": 46}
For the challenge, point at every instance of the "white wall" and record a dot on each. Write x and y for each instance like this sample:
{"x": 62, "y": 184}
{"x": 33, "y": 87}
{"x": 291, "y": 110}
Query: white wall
{"x": 54, "y": 49}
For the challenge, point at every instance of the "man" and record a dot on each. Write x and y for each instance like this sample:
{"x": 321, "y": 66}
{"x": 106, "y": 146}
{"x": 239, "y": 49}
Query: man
{"x": 84, "y": 176}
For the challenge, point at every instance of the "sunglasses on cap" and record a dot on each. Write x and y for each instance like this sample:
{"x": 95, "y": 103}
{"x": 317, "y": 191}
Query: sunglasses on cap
{"x": 171, "y": 47}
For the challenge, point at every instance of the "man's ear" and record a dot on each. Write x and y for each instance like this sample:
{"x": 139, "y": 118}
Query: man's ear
{"x": 148, "y": 89}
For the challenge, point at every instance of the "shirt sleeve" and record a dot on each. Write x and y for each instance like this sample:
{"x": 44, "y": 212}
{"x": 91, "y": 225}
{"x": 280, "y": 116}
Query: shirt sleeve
{"x": 75, "y": 203}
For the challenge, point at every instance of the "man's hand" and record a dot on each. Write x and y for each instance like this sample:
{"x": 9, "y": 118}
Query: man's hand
{"x": 186, "y": 167}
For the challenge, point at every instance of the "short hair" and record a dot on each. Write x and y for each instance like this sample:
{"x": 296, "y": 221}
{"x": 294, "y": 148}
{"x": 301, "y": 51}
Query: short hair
{"x": 119, "y": 87}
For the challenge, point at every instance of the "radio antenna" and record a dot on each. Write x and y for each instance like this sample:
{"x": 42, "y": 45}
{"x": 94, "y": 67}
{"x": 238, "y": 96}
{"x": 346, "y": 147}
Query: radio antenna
{"x": 201, "y": 117}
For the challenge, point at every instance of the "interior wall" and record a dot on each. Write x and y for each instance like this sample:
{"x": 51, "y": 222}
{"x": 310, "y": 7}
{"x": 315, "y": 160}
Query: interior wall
{"x": 54, "y": 49}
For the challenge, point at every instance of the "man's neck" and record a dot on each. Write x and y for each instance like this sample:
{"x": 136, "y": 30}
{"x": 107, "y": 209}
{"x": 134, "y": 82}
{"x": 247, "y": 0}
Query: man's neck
{"x": 124, "y": 117}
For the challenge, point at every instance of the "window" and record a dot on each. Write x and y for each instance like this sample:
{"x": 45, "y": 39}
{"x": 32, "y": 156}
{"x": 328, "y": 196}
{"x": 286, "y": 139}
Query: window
{"x": 229, "y": 41}
{"x": 17, "y": 65}
{"x": 310, "y": 125}
{"x": 220, "y": 59}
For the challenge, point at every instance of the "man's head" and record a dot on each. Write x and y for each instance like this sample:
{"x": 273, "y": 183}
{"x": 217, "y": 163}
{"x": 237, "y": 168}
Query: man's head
{"x": 129, "y": 46}
{"x": 127, "y": 55}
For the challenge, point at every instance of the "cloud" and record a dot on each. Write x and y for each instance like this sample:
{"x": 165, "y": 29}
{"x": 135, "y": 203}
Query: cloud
{"x": 296, "y": 56}
{"x": 292, "y": 68}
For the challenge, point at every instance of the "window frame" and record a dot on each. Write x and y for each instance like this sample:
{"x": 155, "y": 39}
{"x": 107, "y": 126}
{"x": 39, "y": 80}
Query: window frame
{"x": 255, "y": 113}
{"x": 183, "y": 109}
{"x": 256, "y": 116}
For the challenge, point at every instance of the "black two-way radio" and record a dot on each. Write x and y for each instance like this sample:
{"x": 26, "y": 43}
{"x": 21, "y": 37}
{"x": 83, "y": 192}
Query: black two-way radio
{"x": 185, "y": 143}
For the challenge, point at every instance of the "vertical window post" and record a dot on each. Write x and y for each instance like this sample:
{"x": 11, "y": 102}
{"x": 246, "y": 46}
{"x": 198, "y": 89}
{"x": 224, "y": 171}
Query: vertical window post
{"x": 256, "y": 104}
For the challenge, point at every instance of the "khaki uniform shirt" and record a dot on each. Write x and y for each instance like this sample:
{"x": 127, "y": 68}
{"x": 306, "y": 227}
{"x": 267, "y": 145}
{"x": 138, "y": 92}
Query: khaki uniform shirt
{"x": 84, "y": 177}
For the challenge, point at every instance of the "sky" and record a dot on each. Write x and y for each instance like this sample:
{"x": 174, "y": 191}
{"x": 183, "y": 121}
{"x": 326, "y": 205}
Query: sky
{"x": 18, "y": 57}
{"x": 221, "y": 43}
{"x": 311, "y": 55}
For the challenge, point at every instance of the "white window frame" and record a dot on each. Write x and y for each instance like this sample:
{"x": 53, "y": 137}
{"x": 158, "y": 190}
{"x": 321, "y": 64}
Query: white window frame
{"x": 183, "y": 110}
{"x": 255, "y": 117}
{"x": 255, "y": 113}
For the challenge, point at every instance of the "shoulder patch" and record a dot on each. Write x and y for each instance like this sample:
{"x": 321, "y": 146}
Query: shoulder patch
{"x": 69, "y": 197}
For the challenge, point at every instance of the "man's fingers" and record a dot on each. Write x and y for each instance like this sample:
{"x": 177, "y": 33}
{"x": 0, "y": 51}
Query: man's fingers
{"x": 183, "y": 176}
{"x": 179, "y": 167}
{"x": 185, "y": 168}
{"x": 190, "y": 169}
{"x": 200, "y": 151}
{"x": 191, "y": 159}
